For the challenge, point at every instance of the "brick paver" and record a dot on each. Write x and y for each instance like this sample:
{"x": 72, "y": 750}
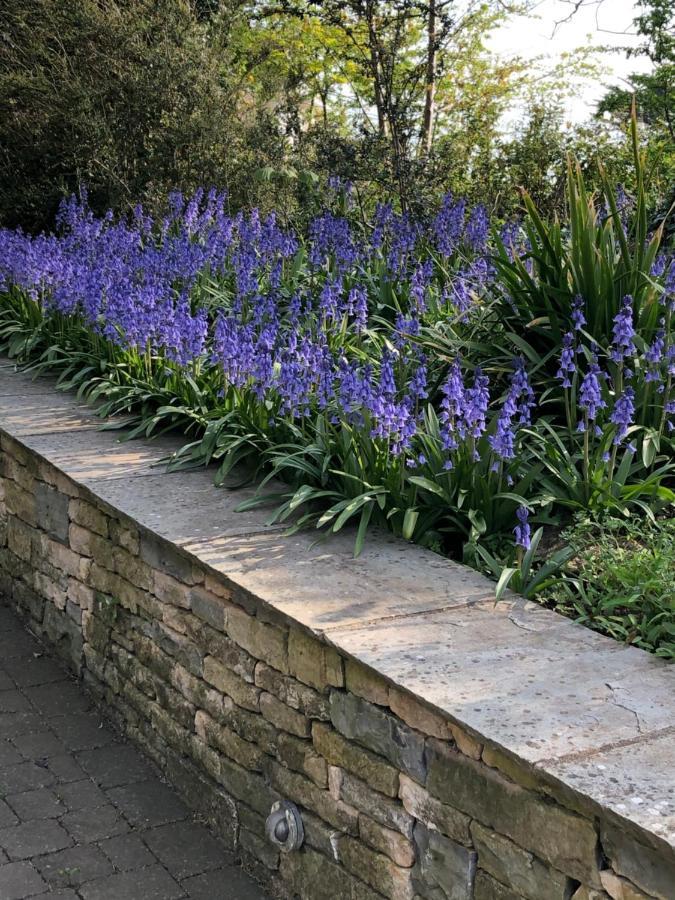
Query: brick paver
{"x": 83, "y": 815}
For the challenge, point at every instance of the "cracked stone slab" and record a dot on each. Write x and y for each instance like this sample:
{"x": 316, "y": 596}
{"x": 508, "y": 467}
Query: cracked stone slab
{"x": 323, "y": 586}
{"x": 522, "y": 676}
{"x": 635, "y": 782}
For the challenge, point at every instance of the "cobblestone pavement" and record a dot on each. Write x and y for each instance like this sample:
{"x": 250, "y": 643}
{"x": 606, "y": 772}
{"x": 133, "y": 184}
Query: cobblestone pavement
{"x": 82, "y": 813}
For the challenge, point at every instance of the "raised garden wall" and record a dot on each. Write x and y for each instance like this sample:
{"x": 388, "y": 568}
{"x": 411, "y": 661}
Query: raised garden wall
{"x": 438, "y": 746}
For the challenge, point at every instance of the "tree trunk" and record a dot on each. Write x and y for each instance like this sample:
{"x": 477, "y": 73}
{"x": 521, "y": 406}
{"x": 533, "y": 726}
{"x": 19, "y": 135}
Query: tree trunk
{"x": 427, "y": 133}
{"x": 376, "y": 70}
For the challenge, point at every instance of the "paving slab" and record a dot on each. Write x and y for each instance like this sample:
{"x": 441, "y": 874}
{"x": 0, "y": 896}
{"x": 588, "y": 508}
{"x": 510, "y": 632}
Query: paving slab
{"x": 184, "y": 849}
{"x": 539, "y": 686}
{"x": 153, "y": 883}
{"x": 35, "y": 415}
{"x": 636, "y": 781}
{"x": 321, "y": 584}
{"x": 194, "y": 510}
{"x": 74, "y": 866}
{"x": 88, "y": 456}
{"x": 68, "y": 831}
{"x": 19, "y": 880}
{"x": 14, "y": 383}
{"x": 148, "y": 803}
{"x": 114, "y": 766}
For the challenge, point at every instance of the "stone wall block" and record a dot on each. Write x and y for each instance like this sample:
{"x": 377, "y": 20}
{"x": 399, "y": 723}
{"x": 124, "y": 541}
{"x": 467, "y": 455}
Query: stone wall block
{"x": 620, "y": 888}
{"x": 124, "y": 535}
{"x": 63, "y": 558}
{"x": 56, "y": 479}
{"x": 497, "y": 759}
{"x": 216, "y": 585}
{"x": 248, "y": 787}
{"x": 312, "y": 662}
{"x": 251, "y": 726}
{"x": 443, "y": 864}
{"x": 88, "y": 516}
{"x": 208, "y": 607}
{"x": 29, "y": 601}
{"x": 196, "y": 691}
{"x": 305, "y": 793}
{"x": 228, "y": 682}
{"x": 417, "y": 715}
{"x": 487, "y": 888}
{"x": 20, "y": 538}
{"x": 566, "y": 841}
{"x": 181, "y": 648}
{"x": 419, "y": 803}
{"x": 366, "y": 683}
{"x": 159, "y": 554}
{"x": 13, "y": 470}
{"x": 53, "y": 591}
{"x": 292, "y": 692}
{"x": 301, "y": 756}
{"x": 283, "y": 717}
{"x": 365, "y": 765}
{"x": 518, "y": 868}
{"x": 80, "y": 594}
{"x": 133, "y": 569}
{"x": 649, "y": 869}
{"x": 51, "y": 510}
{"x": 466, "y": 743}
{"x": 64, "y": 634}
{"x": 21, "y": 503}
{"x": 380, "y": 808}
{"x": 376, "y": 869}
{"x": 259, "y": 847}
{"x": 228, "y": 742}
{"x": 262, "y": 641}
{"x": 392, "y": 843}
{"x": 309, "y": 875}
{"x": 380, "y": 732}
{"x": 224, "y": 649}
{"x": 200, "y": 793}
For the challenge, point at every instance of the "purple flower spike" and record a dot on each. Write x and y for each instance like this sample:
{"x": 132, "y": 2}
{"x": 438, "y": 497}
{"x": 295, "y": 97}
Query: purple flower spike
{"x": 590, "y": 393}
{"x": 623, "y": 414}
{"x": 578, "y": 317}
{"x": 522, "y": 529}
{"x": 567, "y": 365}
{"x": 623, "y": 333}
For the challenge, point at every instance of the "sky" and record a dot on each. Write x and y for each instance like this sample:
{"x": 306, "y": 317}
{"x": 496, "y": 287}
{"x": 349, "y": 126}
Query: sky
{"x": 608, "y": 23}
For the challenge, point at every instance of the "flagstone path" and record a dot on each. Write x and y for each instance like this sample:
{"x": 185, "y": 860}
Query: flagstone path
{"x": 83, "y": 815}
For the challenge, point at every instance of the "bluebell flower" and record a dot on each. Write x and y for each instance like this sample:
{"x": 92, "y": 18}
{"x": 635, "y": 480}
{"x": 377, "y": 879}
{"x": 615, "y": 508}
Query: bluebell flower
{"x": 522, "y": 530}
{"x": 590, "y": 393}
{"x": 567, "y": 365}
{"x": 623, "y": 414}
{"x": 623, "y": 332}
{"x": 578, "y": 317}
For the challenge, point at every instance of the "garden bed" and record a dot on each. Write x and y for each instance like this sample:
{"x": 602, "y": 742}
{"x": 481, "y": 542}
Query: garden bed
{"x": 462, "y": 385}
{"x": 435, "y": 743}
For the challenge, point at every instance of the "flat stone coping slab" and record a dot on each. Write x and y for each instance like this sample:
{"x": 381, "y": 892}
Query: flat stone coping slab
{"x": 591, "y": 716}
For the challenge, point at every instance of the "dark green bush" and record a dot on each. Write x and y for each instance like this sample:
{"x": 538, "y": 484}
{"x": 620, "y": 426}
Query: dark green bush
{"x": 132, "y": 99}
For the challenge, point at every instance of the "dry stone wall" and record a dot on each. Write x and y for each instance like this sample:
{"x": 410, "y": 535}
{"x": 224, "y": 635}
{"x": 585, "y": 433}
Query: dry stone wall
{"x": 241, "y": 706}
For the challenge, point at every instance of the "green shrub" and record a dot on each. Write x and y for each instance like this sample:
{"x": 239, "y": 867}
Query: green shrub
{"x": 621, "y": 580}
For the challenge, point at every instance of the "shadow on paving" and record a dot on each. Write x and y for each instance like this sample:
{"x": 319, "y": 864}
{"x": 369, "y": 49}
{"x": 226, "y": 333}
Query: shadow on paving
{"x": 83, "y": 815}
